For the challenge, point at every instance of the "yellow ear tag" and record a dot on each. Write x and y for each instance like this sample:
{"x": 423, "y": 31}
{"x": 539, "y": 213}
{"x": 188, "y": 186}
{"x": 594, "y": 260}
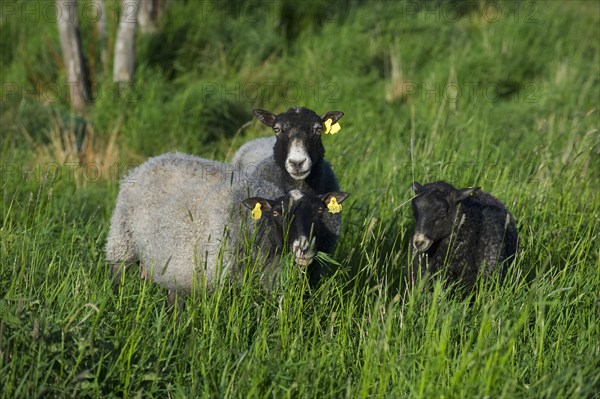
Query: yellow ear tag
{"x": 256, "y": 212}
{"x": 329, "y": 129}
{"x": 333, "y": 206}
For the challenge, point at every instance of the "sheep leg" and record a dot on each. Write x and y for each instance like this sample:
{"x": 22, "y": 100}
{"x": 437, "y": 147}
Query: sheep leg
{"x": 120, "y": 246}
{"x": 143, "y": 272}
{"x": 119, "y": 251}
{"x": 171, "y": 298}
{"x": 117, "y": 271}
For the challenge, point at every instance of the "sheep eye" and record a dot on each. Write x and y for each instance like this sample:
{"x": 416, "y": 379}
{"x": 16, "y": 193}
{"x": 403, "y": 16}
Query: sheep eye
{"x": 275, "y": 214}
{"x": 277, "y": 129}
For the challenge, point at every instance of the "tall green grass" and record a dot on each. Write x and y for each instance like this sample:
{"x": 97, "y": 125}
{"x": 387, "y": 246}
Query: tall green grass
{"x": 523, "y": 127}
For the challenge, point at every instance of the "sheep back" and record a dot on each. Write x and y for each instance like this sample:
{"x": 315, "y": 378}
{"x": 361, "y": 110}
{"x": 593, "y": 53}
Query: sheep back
{"x": 180, "y": 209}
{"x": 252, "y": 153}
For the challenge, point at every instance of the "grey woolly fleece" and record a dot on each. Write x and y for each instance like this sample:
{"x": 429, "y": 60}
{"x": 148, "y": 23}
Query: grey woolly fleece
{"x": 173, "y": 213}
{"x": 252, "y": 153}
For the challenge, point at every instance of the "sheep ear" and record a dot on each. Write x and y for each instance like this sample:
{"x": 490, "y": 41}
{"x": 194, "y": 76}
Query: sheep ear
{"x": 339, "y": 196}
{"x": 333, "y": 115}
{"x": 265, "y": 204}
{"x": 466, "y": 193}
{"x": 266, "y": 117}
{"x": 417, "y": 187}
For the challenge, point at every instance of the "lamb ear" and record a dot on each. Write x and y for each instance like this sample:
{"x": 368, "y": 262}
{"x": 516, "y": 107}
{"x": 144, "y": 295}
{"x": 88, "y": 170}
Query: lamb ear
{"x": 339, "y": 196}
{"x": 466, "y": 193}
{"x": 417, "y": 187}
{"x": 266, "y": 117}
{"x": 265, "y": 204}
{"x": 333, "y": 115}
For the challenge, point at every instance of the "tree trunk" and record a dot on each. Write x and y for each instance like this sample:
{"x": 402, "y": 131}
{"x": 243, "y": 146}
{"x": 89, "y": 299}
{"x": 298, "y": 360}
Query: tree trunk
{"x": 68, "y": 27}
{"x": 148, "y": 15}
{"x": 125, "y": 45}
{"x": 101, "y": 29}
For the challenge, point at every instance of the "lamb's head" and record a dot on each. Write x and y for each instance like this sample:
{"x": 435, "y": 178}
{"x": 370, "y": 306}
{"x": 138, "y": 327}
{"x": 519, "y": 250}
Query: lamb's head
{"x": 298, "y": 145}
{"x": 435, "y": 208}
{"x": 298, "y": 219}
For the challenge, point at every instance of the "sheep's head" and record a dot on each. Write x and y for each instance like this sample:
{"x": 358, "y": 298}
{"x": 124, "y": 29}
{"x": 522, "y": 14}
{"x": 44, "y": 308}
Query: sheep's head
{"x": 435, "y": 209}
{"x": 298, "y": 145}
{"x": 299, "y": 220}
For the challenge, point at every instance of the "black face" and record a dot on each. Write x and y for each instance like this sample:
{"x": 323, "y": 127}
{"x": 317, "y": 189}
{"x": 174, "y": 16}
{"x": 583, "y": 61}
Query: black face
{"x": 434, "y": 215}
{"x": 435, "y": 208}
{"x": 298, "y": 132}
{"x": 299, "y": 219}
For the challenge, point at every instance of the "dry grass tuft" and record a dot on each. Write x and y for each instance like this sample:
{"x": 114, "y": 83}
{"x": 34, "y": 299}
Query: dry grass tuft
{"x": 78, "y": 149}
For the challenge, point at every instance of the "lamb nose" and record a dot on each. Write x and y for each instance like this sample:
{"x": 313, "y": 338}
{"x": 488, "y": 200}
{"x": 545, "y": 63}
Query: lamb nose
{"x": 419, "y": 241}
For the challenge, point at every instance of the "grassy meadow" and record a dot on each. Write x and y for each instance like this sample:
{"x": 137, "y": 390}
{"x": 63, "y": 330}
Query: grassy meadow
{"x": 501, "y": 95}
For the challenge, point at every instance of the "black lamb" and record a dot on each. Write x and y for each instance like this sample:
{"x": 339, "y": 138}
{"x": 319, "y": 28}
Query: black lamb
{"x": 461, "y": 232}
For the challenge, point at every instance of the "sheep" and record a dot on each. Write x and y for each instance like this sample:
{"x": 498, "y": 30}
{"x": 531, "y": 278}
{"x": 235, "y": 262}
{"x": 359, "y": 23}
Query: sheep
{"x": 293, "y": 158}
{"x": 462, "y": 232}
{"x": 252, "y": 153}
{"x": 179, "y": 214}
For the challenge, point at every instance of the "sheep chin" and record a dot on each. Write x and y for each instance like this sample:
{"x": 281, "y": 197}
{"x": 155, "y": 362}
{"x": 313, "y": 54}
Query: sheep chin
{"x": 298, "y": 176}
{"x": 296, "y": 173}
{"x": 304, "y": 260}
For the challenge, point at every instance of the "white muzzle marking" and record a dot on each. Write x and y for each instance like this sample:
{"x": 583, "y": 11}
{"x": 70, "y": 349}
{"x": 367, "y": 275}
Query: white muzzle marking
{"x": 421, "y": 242}
{"x": 304, "y": 250}
{"x": 298, "y": 162}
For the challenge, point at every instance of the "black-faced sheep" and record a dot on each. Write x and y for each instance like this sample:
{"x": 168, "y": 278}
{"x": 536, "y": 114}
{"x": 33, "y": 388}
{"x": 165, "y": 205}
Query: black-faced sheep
{"x": 462, "y": 232}
{"x": 293, "y": 158}
{"x": 180, "y": 215}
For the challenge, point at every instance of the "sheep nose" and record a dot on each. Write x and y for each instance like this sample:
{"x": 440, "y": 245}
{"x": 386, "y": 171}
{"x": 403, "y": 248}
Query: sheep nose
{"x": 420, "y": 242}
{"x": 297, "y": 162}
